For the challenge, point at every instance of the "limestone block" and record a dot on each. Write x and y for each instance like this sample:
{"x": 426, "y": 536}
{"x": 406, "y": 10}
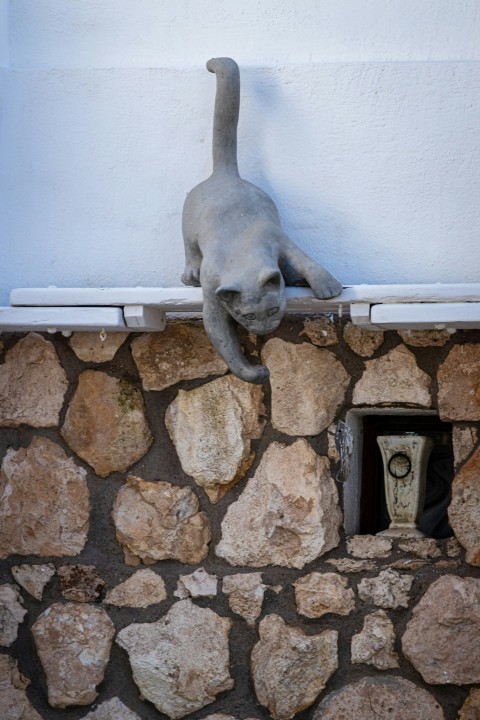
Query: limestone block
{"x": 14, "y": 702}
{"x": 393, "y": 378}
{"x": 44, "y": 502}
{"x": 105, "y": 423}
{"x": 181, "y": 352}
{"x": 464, "y": 439}
{"x": 160, "y": 521}
{"x": 290, "y": 669}
{"x": 407, "y": 564}
{"x": 453, "y": 547}
{"x": 197, "y": 584}
{"x": 369, "y": 546}
{"x": 245, "y": 593}
{"x": 425, "y": 338}
{"x": 112, "y": 709}
{"x": 89, "y": 346}
{"x": 332, "y": 450}
{"x": 140, "y": 590}
{"x": 12, "y": 613}
{"x": 212, "y": 428}
{"x": 374, "y": 644}
{"x": 423, "y": 547}
{"x": 464, "y": 510}
{"x": 308, "y": 386}
{"x": 320, "y": 331}
{"x": 288, "y": 513}
{"x": 470, "y": 709}
{"x": 459, "y": 382}
{"x": 80, "y": 583}
{"x": 33, "y": 578}
{"x": 387, "y": 698}
{"x": 443, "y": 636}
{"x": 317, "y": 594}
{"x": 73, "y": 643}
{"x": 387, "y": 590}
{"x": 363, "y": 342}
{"x": 180, "y": 663}
{"x": 347, "y": 565}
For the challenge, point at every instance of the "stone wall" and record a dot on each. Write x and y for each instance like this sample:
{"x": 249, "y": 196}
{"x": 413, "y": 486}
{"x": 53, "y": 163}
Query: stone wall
{"x": 168, "y": 532}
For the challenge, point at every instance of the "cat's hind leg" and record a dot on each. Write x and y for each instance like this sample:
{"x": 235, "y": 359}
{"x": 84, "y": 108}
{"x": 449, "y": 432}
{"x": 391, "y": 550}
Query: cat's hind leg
{"x": 323, "y": 283}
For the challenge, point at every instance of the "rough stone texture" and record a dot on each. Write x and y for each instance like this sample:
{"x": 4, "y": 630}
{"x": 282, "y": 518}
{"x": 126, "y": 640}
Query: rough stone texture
{"x": 14, "y": 703}
{"x": 464, "y": 510}
{"x": 288, "y": 513}
{"x": 73, "y": 642}
{"x": 388, "y": 698}
{"x": 160, "y": 521}
{"x": 347, "y": 565}
{"x": 453, "y": 547}
{"x": 12, "y": 613}
{"x": 180, "y": 662}
{"x": 425, "y": 338}
{"x": 332, "y": 450}
{"x": 423, "y": 547}
{"x": 363, "y": 342}
{"x": 393, "y": 378}
{"x": 245, "y": 595}
{"x": 317, "y": 594}
{"x": 443, "y": 636}
{"x": 181, "y": 352}
{"x": 197, "y": 584}
{"x": 112, "y": 709}
{"x": 289, "y": 668}
{"x": 32, "y": 384}
{"x": 80, "y": 583}
{"x": 320, "y": 331}
{"x": 387, "y": 590}
{"x": 33, "y": 578}
{"x": 459, "y": 383}
{"x": 407, "y": 564}
{"x": 374, "y": 644}
{"x": 308, "y": 386}
{"x": 369, "y": 546}
{"x": 105, "y": 423}
{"x": 464, "y": 440}
{"x": 470, "y": 709}
{"x": 212, "y": 427}
{"x": 140, "y": 590}
{"x": 89, "y": 346}
{"x": 44, "y": 505}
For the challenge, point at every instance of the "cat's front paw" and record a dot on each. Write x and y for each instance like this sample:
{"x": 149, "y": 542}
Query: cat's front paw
{"x": 191, "y": 277}
{"x": 329, "y": 287}
{"x": 256, "y": 374}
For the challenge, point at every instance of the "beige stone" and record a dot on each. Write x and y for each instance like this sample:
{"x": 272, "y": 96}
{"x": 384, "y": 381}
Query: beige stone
{"x": 347, "y": 565}
{"x": 245, "y": 593}
{"x": 459, "y": 383}
{"x": 112, "y": 709}
{"x": 407, "y": 564}
{"x": 320, "y": 331}
{"x": 33, "y": 578}
{"x": 32, "y": 384}
{"x": 363, "y": 342}
{"x": 90, "y": 347}
{"x": 443, "y": 636}
{"x": 12, "y": 613}
{"x": 464, "y": 510}
{"x": 80, "y": 583}
{"x": 425, "y": 338}
{"x": 423, "y": 547}
{"x": 317, "y": 594}
{"x": 182, "y": 351}
{"x": 212, "y": 428}
{"x": 447, "y": 564}
{"x": 464, "y": 439}
{"x": 14, "y": 703}
{"x": 140, "y": 590}
{"x": 289, "y": 668}
{"x": 387, "y": 698}
{"x": 73, "y": 643}
{"x": 470, "y": 709}
{"x": 160, "y": 521}
{"x": 197, "y": 584}
{"x": 105, "y": 423}
{"x": 44, "y": 504}
{"x": 308, "y": 386}
{"x": 369, "y": 546}
{"x": 288, "y": 513}
{"x": 387, "y": 590}
{"x": 180, "y": 663}
{"x": 453, "y": 547}
{"x": 393, "y": 378}
{"x": 374, "y": 644}
{"x": 332, "y": 450}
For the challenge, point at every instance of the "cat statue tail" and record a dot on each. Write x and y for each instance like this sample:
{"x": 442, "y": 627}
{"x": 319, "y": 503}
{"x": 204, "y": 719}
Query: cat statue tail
{"x": 225, "y": 121}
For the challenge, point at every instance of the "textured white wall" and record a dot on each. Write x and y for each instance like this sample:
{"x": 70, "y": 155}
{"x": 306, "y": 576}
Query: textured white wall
{"x": 373, "y": 161}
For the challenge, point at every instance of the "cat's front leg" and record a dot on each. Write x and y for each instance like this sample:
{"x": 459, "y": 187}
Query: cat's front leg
{"x": 323, "y": 283}
{"x": 221, "y": 329}
{"x": 193, "y": 262}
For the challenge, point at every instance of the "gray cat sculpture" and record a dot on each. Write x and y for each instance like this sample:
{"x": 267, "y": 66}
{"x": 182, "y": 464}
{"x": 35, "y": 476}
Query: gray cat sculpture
{"x": 235, "y": 247}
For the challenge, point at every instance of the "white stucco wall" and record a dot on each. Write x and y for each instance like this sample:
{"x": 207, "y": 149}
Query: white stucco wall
{"x": 368, "y": 143}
